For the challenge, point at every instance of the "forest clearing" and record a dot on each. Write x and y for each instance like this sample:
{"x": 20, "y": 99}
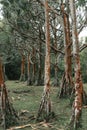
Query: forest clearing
{"x": 26, "y": 100}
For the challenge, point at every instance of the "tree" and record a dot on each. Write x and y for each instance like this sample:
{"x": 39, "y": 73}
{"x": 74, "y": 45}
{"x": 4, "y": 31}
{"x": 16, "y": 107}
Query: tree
{"x": 22, "y": 77}
{"x": 45, "y": 106}
{"x": 8, "y": 116}
{"x": 77, "y": 104}
{"x": 67, "y": 83}
{"x": 28, "y": 70}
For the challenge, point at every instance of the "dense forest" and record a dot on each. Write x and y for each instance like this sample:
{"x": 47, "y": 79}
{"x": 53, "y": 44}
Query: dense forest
{"x": 40, "y": 49}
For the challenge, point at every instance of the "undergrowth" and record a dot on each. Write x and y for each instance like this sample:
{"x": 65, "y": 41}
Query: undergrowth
{"x": 26, "y": 100}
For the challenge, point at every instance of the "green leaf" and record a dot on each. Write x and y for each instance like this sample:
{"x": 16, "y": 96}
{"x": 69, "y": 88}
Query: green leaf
{"x": 5, "y": 3}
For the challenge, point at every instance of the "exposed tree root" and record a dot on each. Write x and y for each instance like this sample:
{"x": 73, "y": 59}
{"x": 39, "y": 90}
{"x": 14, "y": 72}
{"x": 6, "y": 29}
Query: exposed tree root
{"x": 22, "y": 77}
{"x": 75, "y": 121}
{"x": 21, "y": 127}
{"x": 36, "y": 126}
{"x": 66, "y": 87}
{"x": 45, "y": 108}
{"x": 29, "y": 81}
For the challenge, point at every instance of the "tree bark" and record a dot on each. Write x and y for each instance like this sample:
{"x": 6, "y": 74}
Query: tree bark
{"x": 22, "y": 77}
{"x": 56, "y": 82}
{"x": 28, "y": 70}
{"x": 34, "y": 67}
{"x": 39, "y": 80}
{"x": 67, "y": 83}
{"x": 45, "y": 106}
{"x": 8, "y": 116}
{"x": 77, "y": 104}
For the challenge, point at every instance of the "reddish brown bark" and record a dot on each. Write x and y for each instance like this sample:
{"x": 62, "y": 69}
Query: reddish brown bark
{"x": 45, "y": 106}
{"x": 67, "y": 83}
{"x": 22, "y": 77}
{"x": 34, "y": 66}
{"x": 28, "y": 70}
{"x": 56, "y": 83}
{"x": 77, "y": 104}
{"x": 47, "y": 57}
{"x": 7, "y": 111}
{"x": 1, "y": 74}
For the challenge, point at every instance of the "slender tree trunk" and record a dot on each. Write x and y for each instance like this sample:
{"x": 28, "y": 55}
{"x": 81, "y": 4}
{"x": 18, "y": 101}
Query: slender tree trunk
{"x": 28, "y": 70}
{"x": 34, "y": 67}
{"x": 8, "y": 116}
{"x": 22, "y": 77}
{"x": 39, "y": 80}
{"x": 45, "y": 106}
{"x": 1, "y": 73}
{"x": 67, "y": 83}
{"x": 56, "y": 82}
{"x": 77, "y": 104}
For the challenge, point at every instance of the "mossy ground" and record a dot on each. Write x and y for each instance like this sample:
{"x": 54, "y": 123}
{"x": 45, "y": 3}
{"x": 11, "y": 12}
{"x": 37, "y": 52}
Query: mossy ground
{"x": 26, "y": 100}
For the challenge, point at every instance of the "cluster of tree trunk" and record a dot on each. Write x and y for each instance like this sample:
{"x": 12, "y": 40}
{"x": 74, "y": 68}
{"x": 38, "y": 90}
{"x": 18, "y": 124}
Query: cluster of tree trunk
{"x": 70, "y": 86}
{"x": 34, "y": 71}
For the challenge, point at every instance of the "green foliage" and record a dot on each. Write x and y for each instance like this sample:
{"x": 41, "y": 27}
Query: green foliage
{"x": 82, "y": 2}
{"x": 12, "y": 69}
{"x": 5, "y": 3}
{"x": 84, "y": 65}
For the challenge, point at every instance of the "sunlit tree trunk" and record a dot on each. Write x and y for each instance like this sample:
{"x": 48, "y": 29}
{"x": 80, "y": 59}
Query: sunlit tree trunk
{"x": 67, "y": 83}
{"x": 22, "y": 77}
{"x": 45, "y": 106}
{"x": 8, "y": 116}
{"x": 77, "y": 104}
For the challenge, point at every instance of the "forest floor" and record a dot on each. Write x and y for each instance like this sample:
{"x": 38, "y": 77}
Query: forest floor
{"x": 26, "y": 100}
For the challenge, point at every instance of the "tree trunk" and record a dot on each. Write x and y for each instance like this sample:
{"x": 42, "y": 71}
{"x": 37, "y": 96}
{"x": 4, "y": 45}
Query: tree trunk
{"x": 39, "y": 80}
{"x": 45, "y": 106}
{"x": 77, "y": 104}
{"x": 67, "y": 83}
{"x": 8, "y": 116}
{"x": 22, "y": 77}
{"x": 56, "y": 82}
{"x": 28, "y": 70}
{"x": 34, "y": 67}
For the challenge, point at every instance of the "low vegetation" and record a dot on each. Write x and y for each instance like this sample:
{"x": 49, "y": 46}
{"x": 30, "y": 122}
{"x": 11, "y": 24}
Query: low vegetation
{"x": 26, "y": 100}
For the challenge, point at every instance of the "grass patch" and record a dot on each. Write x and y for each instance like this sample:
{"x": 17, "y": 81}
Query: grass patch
{"x": 29, "y": 101}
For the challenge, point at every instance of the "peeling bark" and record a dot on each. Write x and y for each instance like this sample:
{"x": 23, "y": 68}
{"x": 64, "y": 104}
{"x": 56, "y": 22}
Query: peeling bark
{"x": 67, "y": 82}
{"x": 8, "y": 116}
{"x": 77, "y": 104}
{"x": 45, "y": 106}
